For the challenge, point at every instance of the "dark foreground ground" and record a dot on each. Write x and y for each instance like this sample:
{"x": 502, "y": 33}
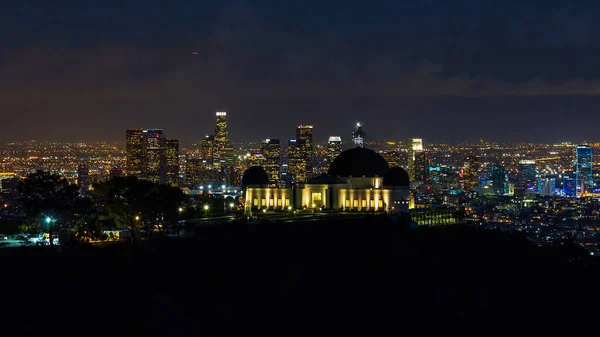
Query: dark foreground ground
{"x": 363, "y": 277}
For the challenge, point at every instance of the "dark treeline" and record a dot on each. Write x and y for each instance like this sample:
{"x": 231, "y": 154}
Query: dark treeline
{"x": 364, "y": 277}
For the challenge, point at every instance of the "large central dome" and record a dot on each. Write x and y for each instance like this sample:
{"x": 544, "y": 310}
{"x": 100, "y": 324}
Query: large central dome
{"x": 358, "y": 162}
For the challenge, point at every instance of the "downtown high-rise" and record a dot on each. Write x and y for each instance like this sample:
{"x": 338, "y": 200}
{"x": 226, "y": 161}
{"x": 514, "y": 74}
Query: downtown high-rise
{"x": 152, "y": 156}
{"x": 271, "y": 150}
{"x": 584, "y": 176}
{"x": 334, "y": 148}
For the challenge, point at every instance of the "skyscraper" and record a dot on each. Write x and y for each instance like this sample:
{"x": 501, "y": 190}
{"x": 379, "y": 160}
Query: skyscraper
{"x": 207, "y": 147}
{"x": 358, "y": 135}
{"x": 334, "y": 148}
{"x": 135, "y": 147}
{"x": 527, "y": 174}
{"x": 568, "y": 186}
{"x": 155, "y": 156}
{"x": 421, "y": 166}
{"x": 391, "y": 154}
{"x": 499, "y": 180}
{"x": 585, "y": 179}
{"x": 221, "y": 134}
{"x": 172, "y": 162}
{"x": 297, "y": 160}
{"x": 416, "y": 146}
{"x": 83, "y": 178}
{"x": 470, "y": 173}
{"x": 223, "y": 152}
{"x": 152, "y": 156}
{"x": 304, "y": 134}
{"x": 193, "y": 167}
{"x": 271, "y": 149}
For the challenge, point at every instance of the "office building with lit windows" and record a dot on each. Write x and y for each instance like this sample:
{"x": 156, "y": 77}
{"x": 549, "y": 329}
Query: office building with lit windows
{"x": 152, "y": 156}
{"x": 297, "y": 166}
{"x": 470, "y": 174}
{"x": 271, "y": 150}
{"x": 223, "y": 151}
{"x": 155, "y": 156}
{"x": 172, "y": 161}
{"x": 391, "y": 154}
{"x": 207, "y": 147}
{"x": 358, "y": 180}
{"x": 415, "y": 147}
{"x": 334, "y": 148}
{"x": 135, "y": 148}
{"x": 421, "y": 166}
{"x": 304, "y": 136}
{"x": 358, "y": 135}
{"x": 527, "y": 174}
{"x": 584, "y": 177}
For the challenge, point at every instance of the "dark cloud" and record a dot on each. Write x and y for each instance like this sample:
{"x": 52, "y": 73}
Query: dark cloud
{"x": 397, "y": 63}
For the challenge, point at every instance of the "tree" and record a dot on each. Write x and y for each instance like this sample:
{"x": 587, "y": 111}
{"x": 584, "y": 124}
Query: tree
{"x": 48, "y": 200}
{"x": 137, "y": 204}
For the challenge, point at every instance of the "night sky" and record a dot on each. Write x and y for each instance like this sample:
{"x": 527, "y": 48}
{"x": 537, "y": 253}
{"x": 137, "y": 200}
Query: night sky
{"x": 441, "y": 70}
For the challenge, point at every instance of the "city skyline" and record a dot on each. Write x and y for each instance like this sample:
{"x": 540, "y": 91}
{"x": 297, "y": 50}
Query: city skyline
{"x": 444, "y": 72}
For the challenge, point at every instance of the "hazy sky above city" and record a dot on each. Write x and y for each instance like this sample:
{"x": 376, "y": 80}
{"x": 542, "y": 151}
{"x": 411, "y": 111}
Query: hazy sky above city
{"x": 459, "y": 70}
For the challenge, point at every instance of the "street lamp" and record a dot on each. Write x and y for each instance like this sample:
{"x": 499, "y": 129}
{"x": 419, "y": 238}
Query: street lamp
{"x": 289, "y": 208}
{"x": 180, "y": 209}
{"x": 264, "y": 210}
{"x": 231, "y": 205}
{"x": 48, "y": 220}
{"x": 205, "y": 211}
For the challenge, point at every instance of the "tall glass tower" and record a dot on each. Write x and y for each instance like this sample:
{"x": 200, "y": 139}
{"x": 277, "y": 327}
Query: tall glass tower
{"x": 334, "y": 148}
{"x": 135, "y": 145}
{"x": 358, "y": 135}
{"x": 584, "y": 178}
{"x": 271, "y": 150}
{"x": 304, "y": 136}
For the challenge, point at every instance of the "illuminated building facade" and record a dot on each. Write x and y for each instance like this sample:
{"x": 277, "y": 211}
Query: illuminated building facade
{"x": 334, "y": 148}
{"x": 568, "y": 187}
{"x": 135, "y": 147}
{"x": 271, "y": 150}
{"x": 223, "y": 152}
{"x": 527, "y": 174}
{"x": 391, "y": 154}
{"x": 499, "y": 181}
{"x": 199, "y": 173}
{"x": 152, "y": 156}
{"x": 193, "y": 166}
{"x": 421, "y": 166}
{"x": 358, "y": 180}
{"x": 546, "y": 186}
{"x": 470, "y": 173}
{"x": 358, "y": 135}
{"x": 584, "y": 177}
{"x": 297, "y": 160}
{"x": 416, "y": 146}
{"x": 207, "y": 146}
{"x": 256, "y": 159}
{"x": 155, "y": 156}
{"x": 172, "y": 161}
{"x": 304, "y": 136}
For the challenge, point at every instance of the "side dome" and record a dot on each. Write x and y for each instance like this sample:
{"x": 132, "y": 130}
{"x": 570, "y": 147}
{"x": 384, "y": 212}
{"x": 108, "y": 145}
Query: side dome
{"x": 358, "y": 162}
{"x": 396, "y": 176}
{"x": 255, "y": 175}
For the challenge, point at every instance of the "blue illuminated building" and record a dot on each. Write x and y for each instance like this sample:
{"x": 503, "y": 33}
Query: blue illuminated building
{"x": 568, "y": 186}
{"x": 584, "y": 178}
